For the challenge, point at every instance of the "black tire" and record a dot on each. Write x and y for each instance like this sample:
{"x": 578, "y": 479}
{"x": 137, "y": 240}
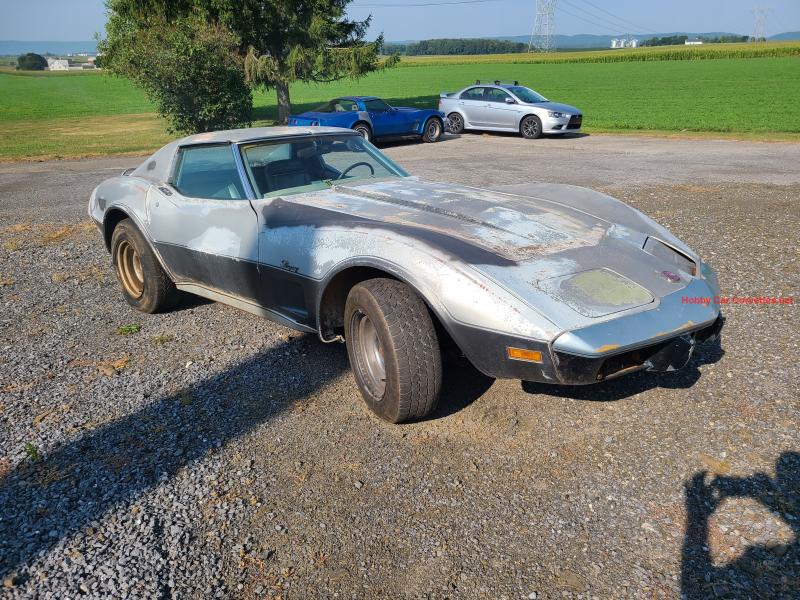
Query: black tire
{"x": 456, "y": 122}
{"x": 384, "y": 318}
{"x": 531, "y": 127}
{"x": 433, "y": 130}
{"x": 364, "y": 130}
{"x": 144, "y": 283}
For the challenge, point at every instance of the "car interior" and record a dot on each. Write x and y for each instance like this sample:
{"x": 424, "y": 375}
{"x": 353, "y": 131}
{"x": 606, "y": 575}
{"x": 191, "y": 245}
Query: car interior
{"x": 303, "y": 167}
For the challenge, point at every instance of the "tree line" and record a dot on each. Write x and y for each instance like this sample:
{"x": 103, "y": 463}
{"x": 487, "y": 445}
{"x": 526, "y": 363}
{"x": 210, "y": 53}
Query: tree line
{"x": 449, "y": 46}
{"x": 680, "y": 40}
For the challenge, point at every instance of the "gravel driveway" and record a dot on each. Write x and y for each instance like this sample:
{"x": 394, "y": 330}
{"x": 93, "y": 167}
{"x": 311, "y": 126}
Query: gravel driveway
{"x": 206, "y": 453}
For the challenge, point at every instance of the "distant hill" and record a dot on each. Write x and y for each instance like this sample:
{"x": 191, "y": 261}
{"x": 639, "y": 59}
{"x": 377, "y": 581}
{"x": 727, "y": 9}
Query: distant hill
{"x": 16, "y": 47}
{"x": 789, "y": 35}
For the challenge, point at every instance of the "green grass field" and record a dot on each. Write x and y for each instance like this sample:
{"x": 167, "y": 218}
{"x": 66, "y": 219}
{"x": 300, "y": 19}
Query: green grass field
{"x": 80, "y": 114}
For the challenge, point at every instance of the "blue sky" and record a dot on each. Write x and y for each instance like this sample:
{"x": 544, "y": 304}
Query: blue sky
{"x": 59, "y": 20}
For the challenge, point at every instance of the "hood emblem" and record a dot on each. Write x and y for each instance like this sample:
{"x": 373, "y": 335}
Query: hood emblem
{"x": 670, "y": 276}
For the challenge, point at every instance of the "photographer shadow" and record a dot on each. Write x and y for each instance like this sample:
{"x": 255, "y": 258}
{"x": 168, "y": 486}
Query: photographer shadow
{"x": 764, "y": 570}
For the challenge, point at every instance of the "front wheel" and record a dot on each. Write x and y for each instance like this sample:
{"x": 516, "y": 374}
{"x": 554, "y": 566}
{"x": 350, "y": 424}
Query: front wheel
{"x": 433, "y": 130}
{"x": 531, "y": 127}
{"x": 393, "y": 350}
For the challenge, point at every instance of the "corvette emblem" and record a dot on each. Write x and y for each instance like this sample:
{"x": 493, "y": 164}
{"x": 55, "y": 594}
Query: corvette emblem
{"x": 670, "y": 276}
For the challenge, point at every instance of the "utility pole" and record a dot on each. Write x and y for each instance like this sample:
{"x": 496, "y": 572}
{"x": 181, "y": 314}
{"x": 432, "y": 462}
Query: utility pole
{"x": 760, "y": 13}
{"x": 543, "y": 25}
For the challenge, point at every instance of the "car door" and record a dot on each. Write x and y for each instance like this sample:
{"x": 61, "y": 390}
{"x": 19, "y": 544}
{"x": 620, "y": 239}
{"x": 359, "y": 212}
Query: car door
{"x": 500, "y": 113}
{"x": 474, "y": 106}
{"x": 385, "y": 120}
{"x": 203, "y": 224}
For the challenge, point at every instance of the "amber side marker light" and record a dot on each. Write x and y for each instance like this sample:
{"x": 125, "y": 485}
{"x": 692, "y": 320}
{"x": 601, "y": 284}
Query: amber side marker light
{"x": 522, "y": 354}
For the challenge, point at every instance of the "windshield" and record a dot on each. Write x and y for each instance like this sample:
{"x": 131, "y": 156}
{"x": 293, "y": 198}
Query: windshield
{"x": 527, "y": 95}
{"x": 295, "y": 166}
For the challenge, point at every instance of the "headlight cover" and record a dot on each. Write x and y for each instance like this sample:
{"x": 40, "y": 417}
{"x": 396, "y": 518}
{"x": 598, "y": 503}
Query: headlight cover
{"x": 663, "y": 251}
{"x": 555, "y": 114}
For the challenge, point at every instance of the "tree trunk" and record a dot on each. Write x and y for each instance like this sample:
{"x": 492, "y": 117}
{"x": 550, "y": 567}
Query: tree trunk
{"x": 284, "y": 104}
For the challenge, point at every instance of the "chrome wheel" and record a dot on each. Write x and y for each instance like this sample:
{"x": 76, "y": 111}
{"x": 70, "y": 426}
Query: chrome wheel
{"x": 369, "y": 354}
{"x": 456, "y": 123}
{"x": 363, "y": 132}
{"x": 129, "y": 269}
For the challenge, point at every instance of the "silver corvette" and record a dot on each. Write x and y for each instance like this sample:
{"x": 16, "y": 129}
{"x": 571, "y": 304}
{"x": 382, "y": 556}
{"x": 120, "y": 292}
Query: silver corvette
{"x": 499, "y": 106}
{"x": 317, "y": 230}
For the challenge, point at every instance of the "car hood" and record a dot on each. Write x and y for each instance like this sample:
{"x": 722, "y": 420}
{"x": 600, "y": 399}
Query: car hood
{"x": 533, "y": 240}
{"x": 557, "y": 107}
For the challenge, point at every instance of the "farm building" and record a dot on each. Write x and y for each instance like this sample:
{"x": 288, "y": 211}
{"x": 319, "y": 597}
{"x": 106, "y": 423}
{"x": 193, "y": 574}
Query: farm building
{"x": 57, "y": 64}
{"x": 694, "y": 42}
{"x": 624, "y": 43}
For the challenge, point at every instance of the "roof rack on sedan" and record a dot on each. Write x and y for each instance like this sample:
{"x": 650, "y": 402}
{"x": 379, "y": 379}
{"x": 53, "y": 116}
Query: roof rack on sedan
{"x": 497, "y": 82}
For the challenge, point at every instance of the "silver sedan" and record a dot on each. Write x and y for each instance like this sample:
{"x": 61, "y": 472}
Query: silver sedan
{"x": 508, "y": 107}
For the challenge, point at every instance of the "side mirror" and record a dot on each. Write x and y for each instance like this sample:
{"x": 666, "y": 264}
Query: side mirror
{"x": 510, "y": 100}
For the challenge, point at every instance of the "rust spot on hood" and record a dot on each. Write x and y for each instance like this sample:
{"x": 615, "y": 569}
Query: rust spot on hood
{"x": 607, "y": 348}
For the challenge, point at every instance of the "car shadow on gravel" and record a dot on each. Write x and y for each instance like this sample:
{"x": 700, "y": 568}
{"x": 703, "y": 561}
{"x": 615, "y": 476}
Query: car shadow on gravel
{"x": 73, "y": 485}
{"x": 514, "y": 134}
{"x": 768, "y": 570}
{"x": 635, "y": 383}
{"x": 462, "y": 384}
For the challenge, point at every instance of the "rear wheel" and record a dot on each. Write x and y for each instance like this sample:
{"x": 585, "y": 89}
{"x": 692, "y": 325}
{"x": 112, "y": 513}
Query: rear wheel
{"x": 433, "y": 130}
{"x": 145, "y": 285}
{"x": 393, "y": 350}
{"x": 531, "y": 127}
{"x": 456, "y": 122}
{"x": 363, "y": 130}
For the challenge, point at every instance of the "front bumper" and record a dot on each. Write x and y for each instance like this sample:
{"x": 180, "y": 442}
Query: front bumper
{"x": 488, "y": 353}
{"x": 565, "y": 124}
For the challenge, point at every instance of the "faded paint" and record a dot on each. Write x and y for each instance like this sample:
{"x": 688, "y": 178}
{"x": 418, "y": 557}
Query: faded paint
{"x": 597, "y": 292}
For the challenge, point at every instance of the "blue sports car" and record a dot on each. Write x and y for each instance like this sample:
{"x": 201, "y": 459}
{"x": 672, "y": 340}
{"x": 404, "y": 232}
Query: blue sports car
{"x": 374, "y": 119}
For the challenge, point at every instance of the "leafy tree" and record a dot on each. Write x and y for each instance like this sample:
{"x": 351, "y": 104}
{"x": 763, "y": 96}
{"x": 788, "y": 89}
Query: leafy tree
{"x": 190, "y": 69}
{"x": 280, "y": 41}
{"x": 32, "y": 62}
{"x": 670, "y": 40}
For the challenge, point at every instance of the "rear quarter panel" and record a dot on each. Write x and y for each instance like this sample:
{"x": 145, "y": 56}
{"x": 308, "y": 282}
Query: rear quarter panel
{"x": 128, "y": 194}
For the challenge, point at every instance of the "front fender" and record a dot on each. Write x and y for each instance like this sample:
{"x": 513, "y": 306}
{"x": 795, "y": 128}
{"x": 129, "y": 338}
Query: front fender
{"x": 455, "y": 292}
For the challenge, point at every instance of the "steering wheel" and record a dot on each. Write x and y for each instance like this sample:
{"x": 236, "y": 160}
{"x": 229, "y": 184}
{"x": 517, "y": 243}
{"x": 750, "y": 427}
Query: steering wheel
{"x": 354, "y": 165}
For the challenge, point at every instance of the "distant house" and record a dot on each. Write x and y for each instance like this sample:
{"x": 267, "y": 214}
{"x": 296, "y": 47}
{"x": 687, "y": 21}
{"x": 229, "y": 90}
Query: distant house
{"x": 57, "y": 64}
{"x": 693, "y": 42}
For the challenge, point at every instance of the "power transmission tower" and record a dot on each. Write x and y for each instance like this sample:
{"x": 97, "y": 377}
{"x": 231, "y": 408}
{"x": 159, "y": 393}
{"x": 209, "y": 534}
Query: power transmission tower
{"x": 760, "y": 13}
{"x": 542, "y": 34}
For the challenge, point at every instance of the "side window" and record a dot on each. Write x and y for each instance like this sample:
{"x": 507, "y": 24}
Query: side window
{"x": 344, "y": 105}
{"x": 475, "y": 93}
{"x": 208, "y": 171}
{"x": 376, "y": 105}
{"x": 496, "y": 95}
